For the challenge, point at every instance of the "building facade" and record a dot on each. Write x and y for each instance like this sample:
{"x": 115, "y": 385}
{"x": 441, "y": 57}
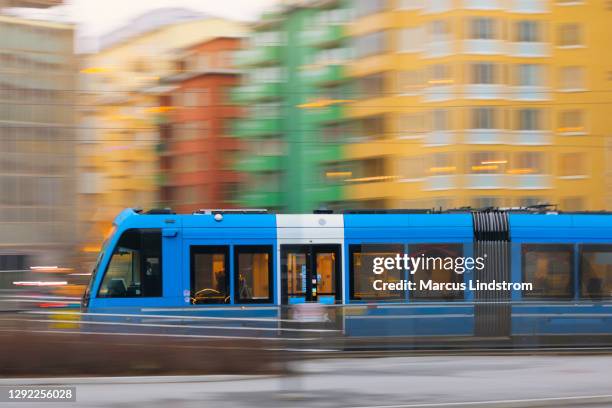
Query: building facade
{"x": 37, "y": 142}
{"x": 479, "y": 103}
{"x": 119, "y": 159}
{"x": 196, "y": 151}
{"x": 292, "y": 90}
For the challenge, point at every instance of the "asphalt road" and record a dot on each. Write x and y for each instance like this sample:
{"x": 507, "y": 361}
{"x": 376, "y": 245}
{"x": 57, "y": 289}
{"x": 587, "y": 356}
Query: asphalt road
{"x": 393, "y": 382}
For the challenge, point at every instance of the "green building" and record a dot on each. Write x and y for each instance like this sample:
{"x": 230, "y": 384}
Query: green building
{"x": 293, "y": 89}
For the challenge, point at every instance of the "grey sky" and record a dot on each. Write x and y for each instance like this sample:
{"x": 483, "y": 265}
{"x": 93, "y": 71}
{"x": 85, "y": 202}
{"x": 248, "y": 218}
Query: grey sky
{"x": 95, "y": 17}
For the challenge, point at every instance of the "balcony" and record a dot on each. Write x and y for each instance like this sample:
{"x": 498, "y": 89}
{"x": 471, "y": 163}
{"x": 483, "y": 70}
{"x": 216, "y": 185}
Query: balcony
{"x": 486, "y": 181}
{"x": 439, "y": 138}
{"x": 484, "y": 136}
{"x": 483, "y": 4}
{"x": 260, "y": 56}
{"x": 483, "y": 47}
{"x": 484, "y": 91}
{"x": 325, "y": 75}
{"x": 439, "y": 93}
{"x": 257, "y": 92}
{"x": 530, "y": 49}
{"x": 442, "y": 182}
{"x": 437, "y": 49}
{"x": 253, "y": 127}
{"x": 323, "y": 37}
{"x": 531, "y": 137}
{"x": 531, "y": 181}
{"x": 528, "y": 6}
{"x": 332, "y": 113}
{"x": 260, "y": 199}
{"x": 530, "y": 93}
{"x": 326, "y": 152}
{"x": 259, "y": 163}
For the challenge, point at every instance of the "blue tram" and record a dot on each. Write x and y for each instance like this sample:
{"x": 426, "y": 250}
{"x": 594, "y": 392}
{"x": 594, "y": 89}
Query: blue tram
{"x": 248, "y": 263}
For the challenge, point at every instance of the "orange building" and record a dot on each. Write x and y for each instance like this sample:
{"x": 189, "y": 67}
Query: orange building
{"x": 195, "y": 150}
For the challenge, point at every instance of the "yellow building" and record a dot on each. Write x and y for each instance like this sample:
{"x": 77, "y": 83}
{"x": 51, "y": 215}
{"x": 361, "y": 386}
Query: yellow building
{"x": 118, "y": 161}
{"x": 481, "y": 103}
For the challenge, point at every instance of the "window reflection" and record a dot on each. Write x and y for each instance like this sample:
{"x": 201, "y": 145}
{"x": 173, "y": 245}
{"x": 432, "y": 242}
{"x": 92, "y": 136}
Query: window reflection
{"x": 209, "y": 275}
{"x": 254, "y": 267}
{"x": 435, "y": 272}
{"x": 596, "y": 271}
{"x": 362, "y": 265}
{"x": 549, "y": 268}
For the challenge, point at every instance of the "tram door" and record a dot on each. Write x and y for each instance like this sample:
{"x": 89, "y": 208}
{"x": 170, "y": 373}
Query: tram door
{"x": 311, "y": 273}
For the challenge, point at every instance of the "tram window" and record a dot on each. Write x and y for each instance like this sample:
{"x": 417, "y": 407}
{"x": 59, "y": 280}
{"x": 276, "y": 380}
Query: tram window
{"x": 209, "y": 274}
{"x": 135, "y": 266}
{"x": 596, "y": 271}
{"x": 549, "y": 268}
{"x": 432, "y": 269}
{"x": 361, "y": 275}
{"x": 253, "y": 278}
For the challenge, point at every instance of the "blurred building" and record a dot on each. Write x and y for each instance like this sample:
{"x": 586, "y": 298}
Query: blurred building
{"x": 119, "y": 163}
{"x": 480, "y": 103}
{"x": 196, "y": 151}
{"x": 292, "y": 90}
{"x": 37, "y": 140}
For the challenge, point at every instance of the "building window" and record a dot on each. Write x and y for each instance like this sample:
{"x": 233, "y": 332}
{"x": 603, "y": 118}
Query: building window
{"x": 209, "y": 274}
{"x": 486, "y": 202}
{"x": 442, "y": 164}
{"x": 253, "y": 279}
{"x": 529, "y": 75}
{"x": 371, "y": 86}
{"x": 435, "y": 271}
{"x": 524, "y": 202}
{"x": 411, "y": 125}
{"x": 484, "y": 73}
{"x": 266, "y": 38}
{"x": 410, "y": 82}
{"x": 440, "y": 120}
{"x": 268, "y": 110}
{"x": 572, "y": 165}
{"x": 570, "y": 35}
{"x": 572, "y": 78}
{"x": 411, "y": 168}
{"x": 186, "y": 163}
{"x": 135, "y": 268}
{"x": 372, "y": 127}
{"x": 482, "y": 29}
{"x": 571, "y": 121}
{"x": 527, "y": 31}
{"x": 186, "y": 195}
{"x": 529, "y": 119}
{"x": 573, "y": 204}
{"x": 361, "y": 265}
{"x": 369, "y": 44}
{"x": 484, "y": 117}
{"x": 549, "y": 267}
{"x": 528, "y": 163}
{"x": 487, "y": 162}
{"x": 440, "y": 74}
{"x": 438, "y": 31}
